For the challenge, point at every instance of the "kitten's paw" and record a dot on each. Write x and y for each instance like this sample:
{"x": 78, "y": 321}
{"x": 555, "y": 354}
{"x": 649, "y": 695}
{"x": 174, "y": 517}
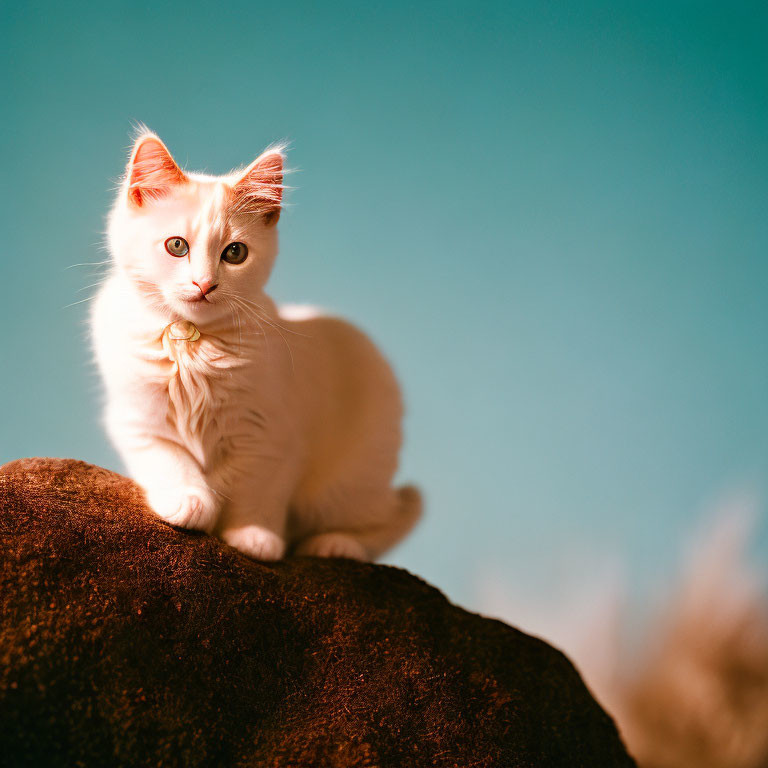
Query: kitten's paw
{"x": 194, "y": 511}
{"x": 256, "y": 542}
{"x": 332, "y": 545}
{"x": 192, "y": 507}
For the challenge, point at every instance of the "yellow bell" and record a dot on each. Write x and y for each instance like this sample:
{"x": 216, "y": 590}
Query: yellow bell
{"x": 182, "y": 330}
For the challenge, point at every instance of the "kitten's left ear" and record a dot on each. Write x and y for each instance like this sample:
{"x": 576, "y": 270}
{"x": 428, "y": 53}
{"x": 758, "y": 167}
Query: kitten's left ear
{"x": 152, "y": 172}
{"x": 260, "y": 187}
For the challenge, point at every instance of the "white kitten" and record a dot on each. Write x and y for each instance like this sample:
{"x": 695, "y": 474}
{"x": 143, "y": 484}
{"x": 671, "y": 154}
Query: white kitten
{"x": 270, "y": 429}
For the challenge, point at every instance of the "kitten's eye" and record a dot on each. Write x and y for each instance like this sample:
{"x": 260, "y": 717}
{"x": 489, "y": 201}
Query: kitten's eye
{"x": 235, "y": 253}
{"x": 177, "y": 246}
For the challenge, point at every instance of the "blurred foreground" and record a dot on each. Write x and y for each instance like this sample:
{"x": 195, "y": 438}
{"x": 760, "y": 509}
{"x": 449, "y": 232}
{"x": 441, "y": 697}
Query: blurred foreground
{"x": 688, "y": 682}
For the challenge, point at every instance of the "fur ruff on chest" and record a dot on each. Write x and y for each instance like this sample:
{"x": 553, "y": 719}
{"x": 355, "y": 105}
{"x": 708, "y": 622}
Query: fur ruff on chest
{"x": 197, "y": 387}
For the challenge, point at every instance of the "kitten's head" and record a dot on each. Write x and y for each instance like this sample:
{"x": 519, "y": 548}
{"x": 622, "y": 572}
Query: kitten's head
{"x": 196, "y": 246}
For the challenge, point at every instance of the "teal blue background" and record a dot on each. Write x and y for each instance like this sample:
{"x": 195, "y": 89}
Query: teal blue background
{"x": 553, "y": 218}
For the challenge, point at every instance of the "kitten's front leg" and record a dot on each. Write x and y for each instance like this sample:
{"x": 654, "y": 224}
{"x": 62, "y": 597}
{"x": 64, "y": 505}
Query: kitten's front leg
{"x": 173, "y": 481}
{"x": 254, "y": 521}
{"x": 255, "y": 517}
{"x": 256, "y": 541}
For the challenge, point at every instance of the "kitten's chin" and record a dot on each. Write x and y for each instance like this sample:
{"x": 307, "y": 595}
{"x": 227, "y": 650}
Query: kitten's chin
{"x": 199, "y": 310}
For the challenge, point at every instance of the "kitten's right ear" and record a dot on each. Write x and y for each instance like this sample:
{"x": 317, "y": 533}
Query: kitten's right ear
{"x": 152, "y": 172}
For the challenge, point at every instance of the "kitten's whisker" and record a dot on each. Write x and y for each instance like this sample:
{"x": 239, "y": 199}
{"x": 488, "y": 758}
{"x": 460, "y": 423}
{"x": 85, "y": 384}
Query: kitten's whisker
{"x": 92, "y": 285}
{"x": 268, "y": 319}
{"x": 258, "y": 317}
{"x": 223, "y": 495}
{"x": 75, "y": 303}
{"x": 235, "y": 316}
{"x": 89, "y": 264}
{"x": 230, "y": 299}
{"x": 255, "y": 317}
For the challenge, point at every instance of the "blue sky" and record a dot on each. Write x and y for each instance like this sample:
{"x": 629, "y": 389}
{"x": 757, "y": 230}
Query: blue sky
{"x": 551, "y": 216}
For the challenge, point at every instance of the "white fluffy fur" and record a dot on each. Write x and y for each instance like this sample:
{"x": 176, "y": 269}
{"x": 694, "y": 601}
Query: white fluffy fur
{"x": 273, "y": 431}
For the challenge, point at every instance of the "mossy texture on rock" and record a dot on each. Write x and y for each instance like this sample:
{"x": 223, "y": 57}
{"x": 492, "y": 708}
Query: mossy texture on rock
{"x": 125, "y": 642}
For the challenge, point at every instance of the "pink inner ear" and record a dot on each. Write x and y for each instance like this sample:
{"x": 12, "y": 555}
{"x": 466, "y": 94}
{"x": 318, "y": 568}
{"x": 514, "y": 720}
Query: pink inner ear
{"x": 260, "y": 190}
{"x": 152, "y": 171}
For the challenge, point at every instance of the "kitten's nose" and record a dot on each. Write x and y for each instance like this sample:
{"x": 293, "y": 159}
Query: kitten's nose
{"x": 205, "y": 286}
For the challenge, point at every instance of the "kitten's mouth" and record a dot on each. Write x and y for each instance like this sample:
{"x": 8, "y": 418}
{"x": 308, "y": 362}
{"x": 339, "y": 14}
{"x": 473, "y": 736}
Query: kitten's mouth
{"x": 194, "y": 299}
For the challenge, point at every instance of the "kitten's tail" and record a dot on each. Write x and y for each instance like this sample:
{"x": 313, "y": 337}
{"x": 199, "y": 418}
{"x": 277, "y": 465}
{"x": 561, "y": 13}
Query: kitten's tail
{"x": 404, "y": 516}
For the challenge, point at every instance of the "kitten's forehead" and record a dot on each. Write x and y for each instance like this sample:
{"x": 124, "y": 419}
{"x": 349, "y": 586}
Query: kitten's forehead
{"x": 202, "y": 205}
{"x": 215, "y": 202}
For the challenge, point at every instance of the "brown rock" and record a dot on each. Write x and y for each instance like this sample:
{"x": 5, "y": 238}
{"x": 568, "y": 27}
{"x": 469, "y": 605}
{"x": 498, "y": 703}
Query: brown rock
{"x": 125, "y": 642}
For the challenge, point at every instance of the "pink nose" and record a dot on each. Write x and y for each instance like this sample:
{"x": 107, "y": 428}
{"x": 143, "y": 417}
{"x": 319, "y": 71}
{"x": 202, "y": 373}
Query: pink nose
{"x": 205, "y": 286}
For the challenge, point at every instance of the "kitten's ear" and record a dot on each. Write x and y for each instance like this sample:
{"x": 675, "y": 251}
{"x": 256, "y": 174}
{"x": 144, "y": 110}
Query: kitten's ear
{"x": 260, "y": 187}
{"x": 152, "y": 172}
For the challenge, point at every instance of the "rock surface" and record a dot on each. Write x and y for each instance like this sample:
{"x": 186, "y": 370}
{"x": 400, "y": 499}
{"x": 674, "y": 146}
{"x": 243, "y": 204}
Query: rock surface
{"x": 125, "y": 642}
